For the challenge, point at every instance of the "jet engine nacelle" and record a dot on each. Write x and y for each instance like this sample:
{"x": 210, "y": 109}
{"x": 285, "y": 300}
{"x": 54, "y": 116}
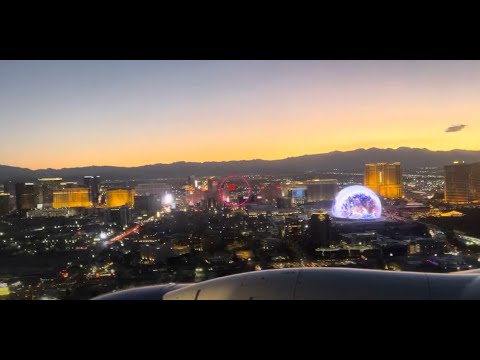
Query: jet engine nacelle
{"x": 317, "y": 284}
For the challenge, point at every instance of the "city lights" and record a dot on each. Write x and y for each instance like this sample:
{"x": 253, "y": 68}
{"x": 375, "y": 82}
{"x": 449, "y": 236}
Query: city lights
{"x": 168, "y": 199}
{"x": 176, "y": 175}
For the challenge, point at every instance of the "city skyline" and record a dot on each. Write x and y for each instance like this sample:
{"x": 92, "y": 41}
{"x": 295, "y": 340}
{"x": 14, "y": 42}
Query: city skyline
{"x": 60, "y": 114}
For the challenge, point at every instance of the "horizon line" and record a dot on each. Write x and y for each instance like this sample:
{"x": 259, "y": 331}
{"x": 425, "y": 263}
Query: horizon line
{"x": 238, "y": 160}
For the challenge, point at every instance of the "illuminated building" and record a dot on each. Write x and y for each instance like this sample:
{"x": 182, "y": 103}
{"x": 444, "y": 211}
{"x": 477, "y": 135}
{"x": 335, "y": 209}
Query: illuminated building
{"x": 4, "y": 203}
{"x": 452, "y": 213}
{"x": 25, "y": 196}
{"x": 48, "y": 186}
{"x": 203, "y": 185}
{"x": 357, "y": 203}
{"x": 462, "y": 183}
{"x": 120, "y": 197}
{"x": 457, "y": 183}
{"x": 51, "y": 213}
{"x": 71, "y": 198}
{"x": 194, "y": 197}
{"x": 168, "y": 200}
{"x": 298, "y": 195}
{"x": 4, "y": 290}
{"x": 321, "y": 190}
{"x": 413, "y": 210}
{"x": 212, "y": 184}
{"x": 385, "y": 179}
{"x": 9, "y": 187}
{"x": 191, "y": 180}
{"x": 244, "y": 254}
{"x": 68, "y": 184}
{"x": 211, "y": 194}
{"x": 93, "y": 183}
{"x": 426, "y": 247}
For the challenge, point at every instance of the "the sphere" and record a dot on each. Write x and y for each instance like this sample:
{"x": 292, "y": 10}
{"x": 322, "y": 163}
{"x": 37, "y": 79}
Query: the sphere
{"x": 357, "y": 202}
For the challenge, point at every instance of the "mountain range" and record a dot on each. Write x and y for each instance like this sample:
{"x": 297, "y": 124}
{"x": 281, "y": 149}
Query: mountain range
{"x": 341, "y": 160}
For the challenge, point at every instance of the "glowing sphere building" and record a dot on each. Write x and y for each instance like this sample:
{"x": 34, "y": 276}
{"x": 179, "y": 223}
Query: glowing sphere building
{"x": 357, "y": 203}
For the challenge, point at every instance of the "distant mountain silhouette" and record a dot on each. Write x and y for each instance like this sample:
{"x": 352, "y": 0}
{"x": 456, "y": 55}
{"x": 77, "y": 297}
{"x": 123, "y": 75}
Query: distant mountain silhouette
{"x": 348, "y": 160}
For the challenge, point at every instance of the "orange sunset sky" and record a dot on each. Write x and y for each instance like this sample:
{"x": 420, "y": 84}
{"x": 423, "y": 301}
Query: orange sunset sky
{"x": 129, "y": 113}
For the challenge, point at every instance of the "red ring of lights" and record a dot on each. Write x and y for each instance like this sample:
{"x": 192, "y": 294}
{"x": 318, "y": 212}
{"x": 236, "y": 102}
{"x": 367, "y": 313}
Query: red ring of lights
{"x": 220, "y": 192}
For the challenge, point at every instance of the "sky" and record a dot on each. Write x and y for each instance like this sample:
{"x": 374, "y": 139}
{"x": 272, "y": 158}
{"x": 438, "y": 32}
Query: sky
{"x": 56, "y": 114}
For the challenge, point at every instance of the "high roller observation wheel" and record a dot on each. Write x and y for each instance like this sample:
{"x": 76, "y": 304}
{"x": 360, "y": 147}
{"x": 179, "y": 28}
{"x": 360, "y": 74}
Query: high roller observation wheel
{"x": 220, "y": 190}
